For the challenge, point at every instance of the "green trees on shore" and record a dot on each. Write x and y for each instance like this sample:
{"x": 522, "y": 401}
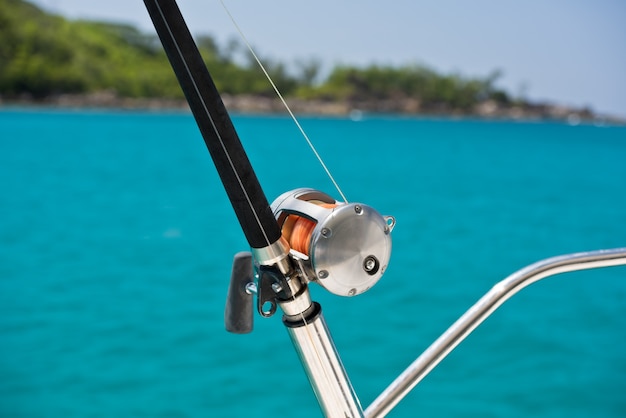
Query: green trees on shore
{"x": 42, "y": 55}
{"x": 433, "y": 91}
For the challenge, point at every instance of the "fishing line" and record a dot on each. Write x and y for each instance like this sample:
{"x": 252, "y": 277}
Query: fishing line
{"x": 297, "y": 230}
{"x": 280, "y": 96}
{"x": 217, "y": 133}
{"x": 302, "y": 234}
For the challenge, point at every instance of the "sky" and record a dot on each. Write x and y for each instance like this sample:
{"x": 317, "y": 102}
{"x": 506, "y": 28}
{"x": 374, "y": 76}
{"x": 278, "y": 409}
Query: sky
{"x": 568, "y": 52}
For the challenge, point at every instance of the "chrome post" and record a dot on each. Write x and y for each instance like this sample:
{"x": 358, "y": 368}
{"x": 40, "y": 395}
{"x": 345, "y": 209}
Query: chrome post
{"x": 318, "y": 355}
{"x": 493, "y": 299}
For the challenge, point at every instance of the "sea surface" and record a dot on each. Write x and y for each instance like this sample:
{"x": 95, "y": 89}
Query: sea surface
{"x": 116, "y": 243}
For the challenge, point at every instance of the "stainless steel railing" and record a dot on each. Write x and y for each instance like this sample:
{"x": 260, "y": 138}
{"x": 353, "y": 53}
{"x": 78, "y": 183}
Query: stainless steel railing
{"x": 471, "y": 319}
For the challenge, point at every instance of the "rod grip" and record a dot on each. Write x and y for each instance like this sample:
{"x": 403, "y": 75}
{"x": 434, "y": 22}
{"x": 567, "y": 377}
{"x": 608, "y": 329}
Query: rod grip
{"x": 230, "y": 159}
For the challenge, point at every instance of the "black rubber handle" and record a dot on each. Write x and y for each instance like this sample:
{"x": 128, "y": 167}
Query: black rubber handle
{"x": 240, "y": 181}
{"x": 238, "y": 316}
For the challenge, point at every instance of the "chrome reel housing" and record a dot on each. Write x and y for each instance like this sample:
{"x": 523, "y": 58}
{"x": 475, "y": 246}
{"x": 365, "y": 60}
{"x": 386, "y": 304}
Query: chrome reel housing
{"x": 344, "y": 247}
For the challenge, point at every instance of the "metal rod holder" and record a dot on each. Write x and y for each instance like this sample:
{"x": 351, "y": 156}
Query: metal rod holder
{"x": 323, "y": 366}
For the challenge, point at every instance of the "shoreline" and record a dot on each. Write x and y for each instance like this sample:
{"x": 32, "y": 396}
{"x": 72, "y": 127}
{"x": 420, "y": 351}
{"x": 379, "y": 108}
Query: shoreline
{"x": 248, "y": 104}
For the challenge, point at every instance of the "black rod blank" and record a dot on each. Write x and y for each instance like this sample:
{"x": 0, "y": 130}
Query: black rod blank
{"x": 232, "y": 163}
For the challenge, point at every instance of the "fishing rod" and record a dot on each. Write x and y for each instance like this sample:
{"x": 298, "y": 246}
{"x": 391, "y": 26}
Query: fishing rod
{"x": 306, "y": 236}
{"x": 220, "y": 137}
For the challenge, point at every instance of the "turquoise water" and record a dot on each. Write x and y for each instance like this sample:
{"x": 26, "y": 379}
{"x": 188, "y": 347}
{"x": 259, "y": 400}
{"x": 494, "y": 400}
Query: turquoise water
{"x": 116, "y": 241}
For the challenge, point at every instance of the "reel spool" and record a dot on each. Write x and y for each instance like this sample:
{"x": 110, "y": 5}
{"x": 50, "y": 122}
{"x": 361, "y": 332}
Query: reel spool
{"x": 345, "y": 247}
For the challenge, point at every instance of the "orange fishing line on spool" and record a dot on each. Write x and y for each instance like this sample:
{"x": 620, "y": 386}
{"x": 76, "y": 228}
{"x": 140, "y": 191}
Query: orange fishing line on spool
{"x": 297, "y": 230}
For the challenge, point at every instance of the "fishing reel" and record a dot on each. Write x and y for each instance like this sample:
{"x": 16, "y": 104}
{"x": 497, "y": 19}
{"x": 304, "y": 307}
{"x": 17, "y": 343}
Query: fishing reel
{"x": 344, "y": 247}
